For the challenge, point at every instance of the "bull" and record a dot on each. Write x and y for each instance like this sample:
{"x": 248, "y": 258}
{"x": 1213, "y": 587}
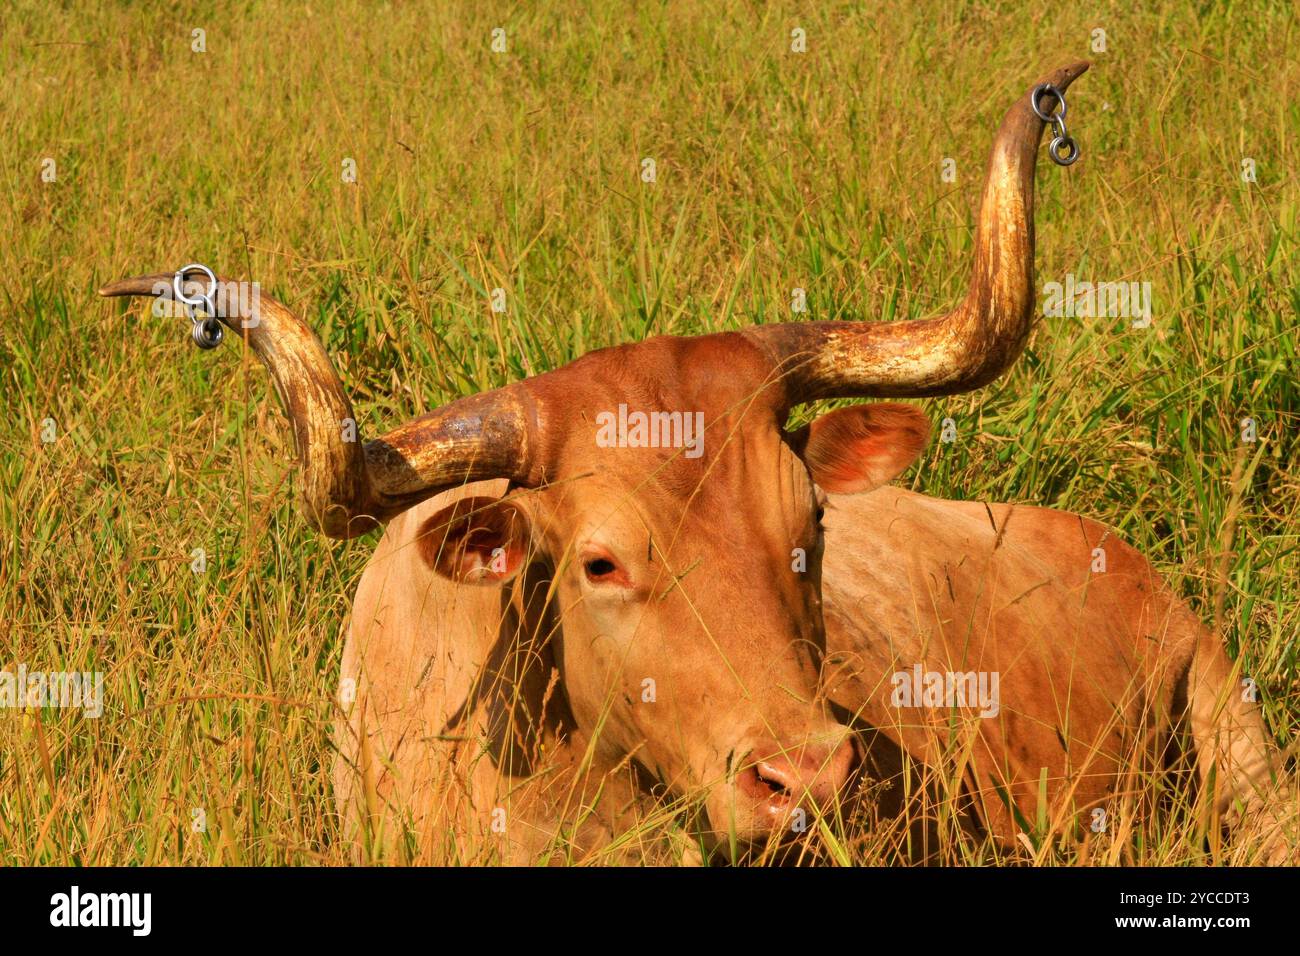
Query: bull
{"x": 564, "y": 616}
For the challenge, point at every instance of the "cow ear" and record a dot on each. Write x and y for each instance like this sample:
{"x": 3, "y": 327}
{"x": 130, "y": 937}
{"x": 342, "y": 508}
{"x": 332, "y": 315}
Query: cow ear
{"x": 862, "y": 447}
{"x": 475, "y": 540}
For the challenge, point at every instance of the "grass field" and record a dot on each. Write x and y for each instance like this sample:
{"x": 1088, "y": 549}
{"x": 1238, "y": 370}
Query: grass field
{"x": 521, "y": 170}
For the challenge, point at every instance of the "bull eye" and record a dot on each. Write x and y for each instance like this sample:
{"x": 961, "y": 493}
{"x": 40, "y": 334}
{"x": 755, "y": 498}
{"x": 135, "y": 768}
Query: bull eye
{"x": 598, "y": 568}
{"x": 820, "y": 513}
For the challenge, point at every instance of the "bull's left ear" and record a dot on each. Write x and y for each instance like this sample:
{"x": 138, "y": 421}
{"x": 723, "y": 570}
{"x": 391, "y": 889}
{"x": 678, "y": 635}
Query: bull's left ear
{"x": 856, "y": 449}
{"x": 476, "y": 540}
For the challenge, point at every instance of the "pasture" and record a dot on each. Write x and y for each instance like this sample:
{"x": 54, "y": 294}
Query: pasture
{"x": 124, "y": 449}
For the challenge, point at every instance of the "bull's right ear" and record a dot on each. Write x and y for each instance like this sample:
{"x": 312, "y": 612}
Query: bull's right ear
{"x": 856, "y": 449}
{"x": 475, "y": 540}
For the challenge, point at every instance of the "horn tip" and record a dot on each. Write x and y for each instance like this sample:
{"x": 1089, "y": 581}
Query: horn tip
{"x": 136, "y": 285}
{"x": 120, "y": 287}
{"x": 1066, "y": 75}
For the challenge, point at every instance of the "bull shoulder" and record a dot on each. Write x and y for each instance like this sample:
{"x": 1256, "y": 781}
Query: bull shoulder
{"x": 959, "y": 587}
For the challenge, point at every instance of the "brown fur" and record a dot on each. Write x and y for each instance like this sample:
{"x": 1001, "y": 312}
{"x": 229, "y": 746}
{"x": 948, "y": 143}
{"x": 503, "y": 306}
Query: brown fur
{"x": 476, "y": 698}
{"x": 534, "y": 691}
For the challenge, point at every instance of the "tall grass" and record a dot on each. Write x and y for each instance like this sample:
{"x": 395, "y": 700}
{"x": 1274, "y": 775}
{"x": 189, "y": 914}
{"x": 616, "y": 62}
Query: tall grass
{"x": 521, "y": 171}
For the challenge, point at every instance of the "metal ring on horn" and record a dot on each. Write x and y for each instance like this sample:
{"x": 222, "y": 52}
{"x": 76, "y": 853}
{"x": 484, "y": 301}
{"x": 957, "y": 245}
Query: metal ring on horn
{"x": 206, "y": 332}
{"x": 1054, "y": 150}
{"x": 1040, "y": 91}
{"x": 178, "y": 282}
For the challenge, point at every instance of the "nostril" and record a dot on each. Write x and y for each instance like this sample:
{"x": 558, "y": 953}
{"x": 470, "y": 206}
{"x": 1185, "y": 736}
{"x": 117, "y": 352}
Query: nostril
{"x": 766, "y": 786}
{"x": 811, "y": 775}
{"x": 776, "y": 778}
{"x": 818, "y": 772}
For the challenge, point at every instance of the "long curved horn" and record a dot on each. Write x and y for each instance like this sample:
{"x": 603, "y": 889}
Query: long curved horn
{"x": 349, "y": 488}
{"x": 971, "y": 345}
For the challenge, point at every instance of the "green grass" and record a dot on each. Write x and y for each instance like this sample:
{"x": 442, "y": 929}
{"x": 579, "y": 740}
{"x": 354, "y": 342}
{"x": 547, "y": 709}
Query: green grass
{"x": 521, "y": 171}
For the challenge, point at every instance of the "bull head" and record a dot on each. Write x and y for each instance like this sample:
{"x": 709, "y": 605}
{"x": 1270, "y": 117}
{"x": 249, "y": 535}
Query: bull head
{"x": 667, "y": 565}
